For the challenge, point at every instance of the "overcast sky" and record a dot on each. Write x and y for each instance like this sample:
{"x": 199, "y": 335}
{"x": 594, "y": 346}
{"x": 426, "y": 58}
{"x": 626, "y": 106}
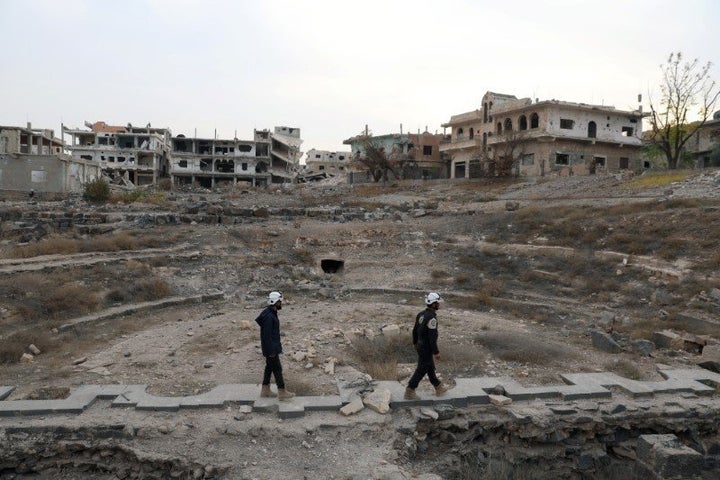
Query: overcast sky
{"x": 330, "y": 67}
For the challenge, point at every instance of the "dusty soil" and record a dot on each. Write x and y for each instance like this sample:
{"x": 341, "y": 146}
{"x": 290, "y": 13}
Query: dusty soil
{"x": 523, "y": 289}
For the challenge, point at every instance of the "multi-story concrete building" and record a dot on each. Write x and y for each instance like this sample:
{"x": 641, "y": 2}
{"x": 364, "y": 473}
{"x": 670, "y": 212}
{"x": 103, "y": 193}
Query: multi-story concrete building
{"x": 130, "y": 155}
{"x": 271, "y": 157}
{"x": 142, "y": 155}
{"x": 327, "y": 162}
{"x": 212, "y": 162}
{"x": 541, "y": 137}
{"x": 285, "y": 153}
{"x": 33, "y": 160}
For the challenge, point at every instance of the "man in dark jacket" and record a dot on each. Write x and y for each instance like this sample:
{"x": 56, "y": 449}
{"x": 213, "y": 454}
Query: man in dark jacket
{"x": 272, "y": 347}
{"x": 425, "y": 335}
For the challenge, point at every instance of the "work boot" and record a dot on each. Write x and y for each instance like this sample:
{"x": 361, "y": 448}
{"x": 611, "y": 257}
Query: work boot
{"x": 266, "y": 392}
{"x": 440, "y": 390}
{"x": 284, "y": 394}
{"x": 410, "y": 394}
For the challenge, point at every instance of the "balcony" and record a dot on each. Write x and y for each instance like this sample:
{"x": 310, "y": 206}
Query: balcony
{"x": 460, "y": 143}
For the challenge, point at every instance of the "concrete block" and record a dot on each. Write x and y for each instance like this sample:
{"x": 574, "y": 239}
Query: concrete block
{"x": 290, "y": 409}
{"x": 517, "y": 392}
{"x": 324, "y": 403}
{"x": 5, "y": 391}
{"x": 667, "y": 458}
{"x": 244, "y": 394}
{"x": 609, "y": 379}
{"x": 710, "y": 358}
{"x": 264, "y": 404}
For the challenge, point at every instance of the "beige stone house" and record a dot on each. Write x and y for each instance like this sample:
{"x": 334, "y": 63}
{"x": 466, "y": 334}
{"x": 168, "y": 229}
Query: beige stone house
{"x": 535, "y": 138}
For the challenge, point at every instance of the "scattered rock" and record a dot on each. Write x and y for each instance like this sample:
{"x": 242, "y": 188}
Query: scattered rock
{"x": 378, "y": 401}
{"x": 605, "y": 342}
{"x": 353, "y": 407}
{"x": 499, "y": 400}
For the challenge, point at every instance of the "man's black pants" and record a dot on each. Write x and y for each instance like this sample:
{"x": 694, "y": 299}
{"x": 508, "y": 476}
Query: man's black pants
{"x": 425, "y": 366}
{"x": 273, "y": 367}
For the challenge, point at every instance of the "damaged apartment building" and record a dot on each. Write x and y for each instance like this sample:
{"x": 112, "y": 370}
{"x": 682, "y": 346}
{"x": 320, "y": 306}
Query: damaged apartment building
{"x": 271, "y": 157}
{"x": 324, "y": 163}
{"x": 535, "y": 138}
{"x": 33, "y": 160}
{"x": 136, "y": 156}
{"x": 128, "y": 155}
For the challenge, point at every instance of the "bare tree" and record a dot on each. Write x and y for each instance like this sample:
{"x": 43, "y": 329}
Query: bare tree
{"x": 503, "y": 159}
{"x": 686, "y": 86}
{"x": 372, "y": 158}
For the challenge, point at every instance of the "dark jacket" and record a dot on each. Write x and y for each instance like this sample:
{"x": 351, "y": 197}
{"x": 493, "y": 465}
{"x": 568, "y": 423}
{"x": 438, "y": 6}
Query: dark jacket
{"x": 269, "y": 332}
{"x": 425, "y": 332}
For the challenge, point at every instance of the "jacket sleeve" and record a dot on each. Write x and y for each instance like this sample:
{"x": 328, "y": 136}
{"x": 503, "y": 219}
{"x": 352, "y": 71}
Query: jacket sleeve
{"x": 265, "y": 334}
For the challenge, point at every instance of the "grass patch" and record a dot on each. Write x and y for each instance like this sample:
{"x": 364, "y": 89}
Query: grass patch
{"x": 143, "y": 290}
{"x": 523, "y": 348}
{"x": 62, "y": 245}
{"x": 625, "y": 368}
{"x": 675, "y": 321}
{"x": 658, "y": 179}
{"x": 12, "y": 347}
{"x": 380, "y": 355}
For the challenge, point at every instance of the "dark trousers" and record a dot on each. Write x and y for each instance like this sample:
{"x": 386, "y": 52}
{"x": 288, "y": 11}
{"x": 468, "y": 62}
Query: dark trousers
{"x": 425, "y": 366}
{"x": 273, "y": 367}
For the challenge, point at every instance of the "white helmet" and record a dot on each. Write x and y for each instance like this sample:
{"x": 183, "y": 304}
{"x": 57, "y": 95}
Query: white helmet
{"x": 432, "y": 297}
{"x": 274, "y": 297}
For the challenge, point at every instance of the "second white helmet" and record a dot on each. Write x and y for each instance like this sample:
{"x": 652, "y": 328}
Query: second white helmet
{"x": 274, "y": 297}
{"x": 432, "y": 297}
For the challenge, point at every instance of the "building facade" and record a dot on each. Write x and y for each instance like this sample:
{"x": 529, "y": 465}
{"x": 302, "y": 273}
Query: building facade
{"x": 33, "y": 160}
{"x": 327, "y": 162}
{"x": 522, "y": 137}
{"x": 215, "y": 162}
{"x": 414, "y": 156}
{"x": 135, "y": 156}
{"x": 705, "y": 144}
{"x": 128, "y": 155}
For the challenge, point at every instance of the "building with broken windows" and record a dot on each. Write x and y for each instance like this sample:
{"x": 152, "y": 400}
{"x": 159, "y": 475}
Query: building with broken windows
{"x": 508, "y": 135}
{"x": 33, "y": 160}
{"x": 327, "y": 162}
{"x": 133, "y": 156}
{"x": 271, "y": 157}
{"x": 127, "y": 155}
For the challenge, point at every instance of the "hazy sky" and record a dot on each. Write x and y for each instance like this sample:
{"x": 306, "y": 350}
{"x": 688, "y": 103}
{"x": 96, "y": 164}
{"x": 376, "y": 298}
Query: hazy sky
{"x": 330, "y": 67}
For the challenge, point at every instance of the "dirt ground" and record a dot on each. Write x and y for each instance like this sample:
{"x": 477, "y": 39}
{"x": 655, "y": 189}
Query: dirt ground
{"x": 522, "y": 285}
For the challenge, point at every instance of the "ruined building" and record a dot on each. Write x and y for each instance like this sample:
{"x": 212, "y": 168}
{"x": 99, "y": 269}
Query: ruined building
{"x": 508, "y": 135}
{"x": 414, "y": 156}
{"x": 327, "y": 162}
{"x": 127, "y": 155}
{"x": 33, "y": 160}
{"x": 143, "y": 155}
{"x": 705, "y": 144}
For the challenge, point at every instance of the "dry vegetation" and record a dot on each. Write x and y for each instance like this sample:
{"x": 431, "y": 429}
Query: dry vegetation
{"x": 464, "y": 256}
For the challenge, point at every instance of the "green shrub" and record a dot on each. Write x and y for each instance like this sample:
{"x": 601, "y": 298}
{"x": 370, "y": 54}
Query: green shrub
{"x": 97, "y": 190}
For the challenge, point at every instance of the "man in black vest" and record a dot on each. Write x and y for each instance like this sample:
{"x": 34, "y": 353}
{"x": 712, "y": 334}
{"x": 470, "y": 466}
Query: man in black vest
{"x": 425, "y": 335}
